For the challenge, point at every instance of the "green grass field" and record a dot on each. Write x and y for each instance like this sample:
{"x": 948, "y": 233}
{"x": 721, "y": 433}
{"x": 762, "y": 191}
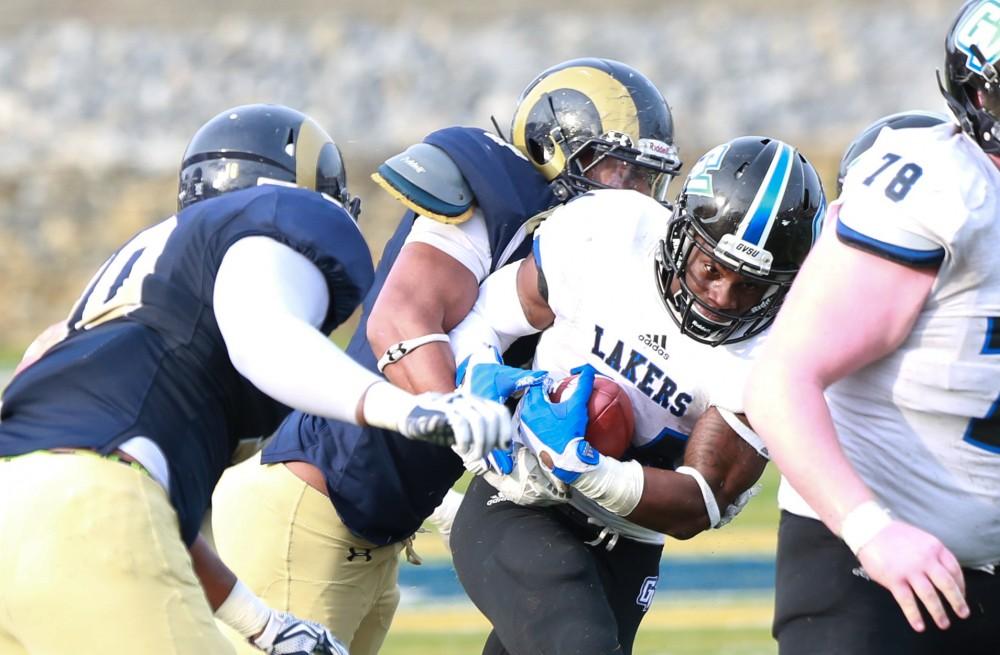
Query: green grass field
{"x": 714, "y": 641}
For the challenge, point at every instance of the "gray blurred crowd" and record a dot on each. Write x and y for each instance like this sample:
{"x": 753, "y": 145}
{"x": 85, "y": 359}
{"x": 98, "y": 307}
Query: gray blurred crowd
{"x": 95, "y": 112}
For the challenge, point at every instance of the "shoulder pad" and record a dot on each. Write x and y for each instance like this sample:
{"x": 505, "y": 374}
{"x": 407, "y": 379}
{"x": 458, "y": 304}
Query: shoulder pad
{"x": 426, "y": 180}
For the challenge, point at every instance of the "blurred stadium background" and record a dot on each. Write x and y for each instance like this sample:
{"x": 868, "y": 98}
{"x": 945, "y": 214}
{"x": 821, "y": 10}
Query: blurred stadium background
{"x": 97, "y": 101}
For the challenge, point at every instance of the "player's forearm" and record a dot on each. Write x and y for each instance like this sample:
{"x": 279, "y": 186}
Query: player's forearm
{"x": 671, "y": 503}
{"x": 215, "y": 577}
{"x": 802, "y": 441}
{"x": 729, "y": 462}
{"x": 661, "y": 500}
{"x": 295, "y": 364}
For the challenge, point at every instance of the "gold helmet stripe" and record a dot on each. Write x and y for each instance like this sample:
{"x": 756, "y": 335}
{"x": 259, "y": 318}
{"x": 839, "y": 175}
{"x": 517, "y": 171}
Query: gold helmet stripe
{"x": 611, "y": 98}
{"x": 308, "y": 146}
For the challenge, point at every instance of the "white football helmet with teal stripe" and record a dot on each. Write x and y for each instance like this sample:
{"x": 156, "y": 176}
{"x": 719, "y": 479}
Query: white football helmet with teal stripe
{"x": 754, "y": 205}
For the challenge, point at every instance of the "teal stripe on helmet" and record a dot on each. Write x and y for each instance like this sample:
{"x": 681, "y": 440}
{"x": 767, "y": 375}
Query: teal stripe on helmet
{"x": 756, "y": 226}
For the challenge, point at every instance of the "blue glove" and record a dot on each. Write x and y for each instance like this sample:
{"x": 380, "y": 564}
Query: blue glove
{"x": 498, "y": 460}
{"x": 555, "y": 431}
{"x": 486, "y": 376}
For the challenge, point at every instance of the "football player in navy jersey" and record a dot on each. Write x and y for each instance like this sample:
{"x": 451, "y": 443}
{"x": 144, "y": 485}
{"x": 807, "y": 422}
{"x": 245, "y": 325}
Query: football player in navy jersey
{"x": 353, "y": 496}
{"x": 878, "y": 392}
{"x": 199, "y": 331}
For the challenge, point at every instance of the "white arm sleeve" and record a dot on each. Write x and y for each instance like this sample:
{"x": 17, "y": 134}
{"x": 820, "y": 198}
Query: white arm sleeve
{"x": 497, "y": 319}
{"x": 269, "y": 302}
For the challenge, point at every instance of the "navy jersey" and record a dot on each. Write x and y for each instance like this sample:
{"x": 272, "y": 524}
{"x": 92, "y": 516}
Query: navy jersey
{"x": 382, "y": 484}
{"x": 144, "y": 355}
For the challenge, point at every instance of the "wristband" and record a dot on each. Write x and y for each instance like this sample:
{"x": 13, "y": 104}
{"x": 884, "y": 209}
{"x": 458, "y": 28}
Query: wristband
{"x": 863, "y": 523}
{"x": 386, "y": 406}
{"x": 614, "y": 485}
{"x": 711, "y": 505}
{"x": 243, "y": 611}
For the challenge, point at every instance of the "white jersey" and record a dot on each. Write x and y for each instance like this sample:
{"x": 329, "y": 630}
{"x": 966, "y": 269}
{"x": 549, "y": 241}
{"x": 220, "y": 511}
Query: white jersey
{"x": 921, "y": 425}
{"x": 596, "y": 254}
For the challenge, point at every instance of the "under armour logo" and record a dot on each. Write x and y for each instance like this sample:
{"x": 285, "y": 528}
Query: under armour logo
{"x": 359, "y": 552}
{"x": 395, "y": 352}
{"x": 646, "y": 592}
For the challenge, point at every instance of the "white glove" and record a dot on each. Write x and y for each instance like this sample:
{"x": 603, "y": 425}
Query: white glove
{"x": 528, "y": 484}
{"x": 280, "y": 632}
{"x": 741, "y": 501}
{"x": 471, "y": 426}
{"x": 286, "y": 634}
{"x": 444, "y": 516}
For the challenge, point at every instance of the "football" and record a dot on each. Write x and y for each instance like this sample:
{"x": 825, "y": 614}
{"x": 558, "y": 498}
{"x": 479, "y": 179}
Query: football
{"x": 611, "y": 420}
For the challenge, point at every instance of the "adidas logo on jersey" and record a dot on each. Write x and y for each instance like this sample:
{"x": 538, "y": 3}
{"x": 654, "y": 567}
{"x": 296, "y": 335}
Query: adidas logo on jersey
{"x": 639, "y": 370}
{"x": 658, "y": 342}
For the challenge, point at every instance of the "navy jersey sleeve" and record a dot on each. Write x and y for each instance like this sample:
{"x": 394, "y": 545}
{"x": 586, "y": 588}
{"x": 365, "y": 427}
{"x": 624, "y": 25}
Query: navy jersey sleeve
{"x": 507, "y": 188}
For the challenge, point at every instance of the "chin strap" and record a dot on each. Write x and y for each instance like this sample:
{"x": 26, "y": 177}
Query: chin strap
{"x": 398, "y": 351}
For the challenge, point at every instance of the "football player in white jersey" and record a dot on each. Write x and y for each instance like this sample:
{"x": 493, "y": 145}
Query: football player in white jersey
{"x": 675, "y": 320}
{"x": 894, "y": 318}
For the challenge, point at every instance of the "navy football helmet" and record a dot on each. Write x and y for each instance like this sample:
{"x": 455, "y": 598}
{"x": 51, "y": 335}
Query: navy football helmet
{"x": 245, "y": 145}
{"x": 971, "y": 83}
{"x": 899, "y": 121}
{"x": 753, "y": 205}
{"x": 580, "y": 112}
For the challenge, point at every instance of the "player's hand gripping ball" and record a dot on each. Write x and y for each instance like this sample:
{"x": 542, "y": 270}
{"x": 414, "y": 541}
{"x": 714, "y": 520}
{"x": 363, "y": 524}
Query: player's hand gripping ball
{"x": 610, "y": 418}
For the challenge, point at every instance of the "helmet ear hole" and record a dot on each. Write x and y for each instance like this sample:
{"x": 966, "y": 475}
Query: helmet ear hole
{"x": 538, "y": 152}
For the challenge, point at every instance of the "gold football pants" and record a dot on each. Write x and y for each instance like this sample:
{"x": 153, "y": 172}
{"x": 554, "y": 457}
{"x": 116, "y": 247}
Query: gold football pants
{"x": 92, "y": 562}
{"x": 285, "y": 541}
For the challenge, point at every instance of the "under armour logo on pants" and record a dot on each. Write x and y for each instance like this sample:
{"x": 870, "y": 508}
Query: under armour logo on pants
{"x": 359, "y": 552}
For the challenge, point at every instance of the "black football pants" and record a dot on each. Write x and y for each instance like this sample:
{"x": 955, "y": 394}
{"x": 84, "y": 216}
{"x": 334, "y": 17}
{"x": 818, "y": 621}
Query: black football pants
{"x": 542, "y": 587}
{"x": 825, "y": 605}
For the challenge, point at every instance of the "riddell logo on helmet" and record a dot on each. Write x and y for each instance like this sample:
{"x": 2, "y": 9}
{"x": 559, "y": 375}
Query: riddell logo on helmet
{"x": 655, "y": 147}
